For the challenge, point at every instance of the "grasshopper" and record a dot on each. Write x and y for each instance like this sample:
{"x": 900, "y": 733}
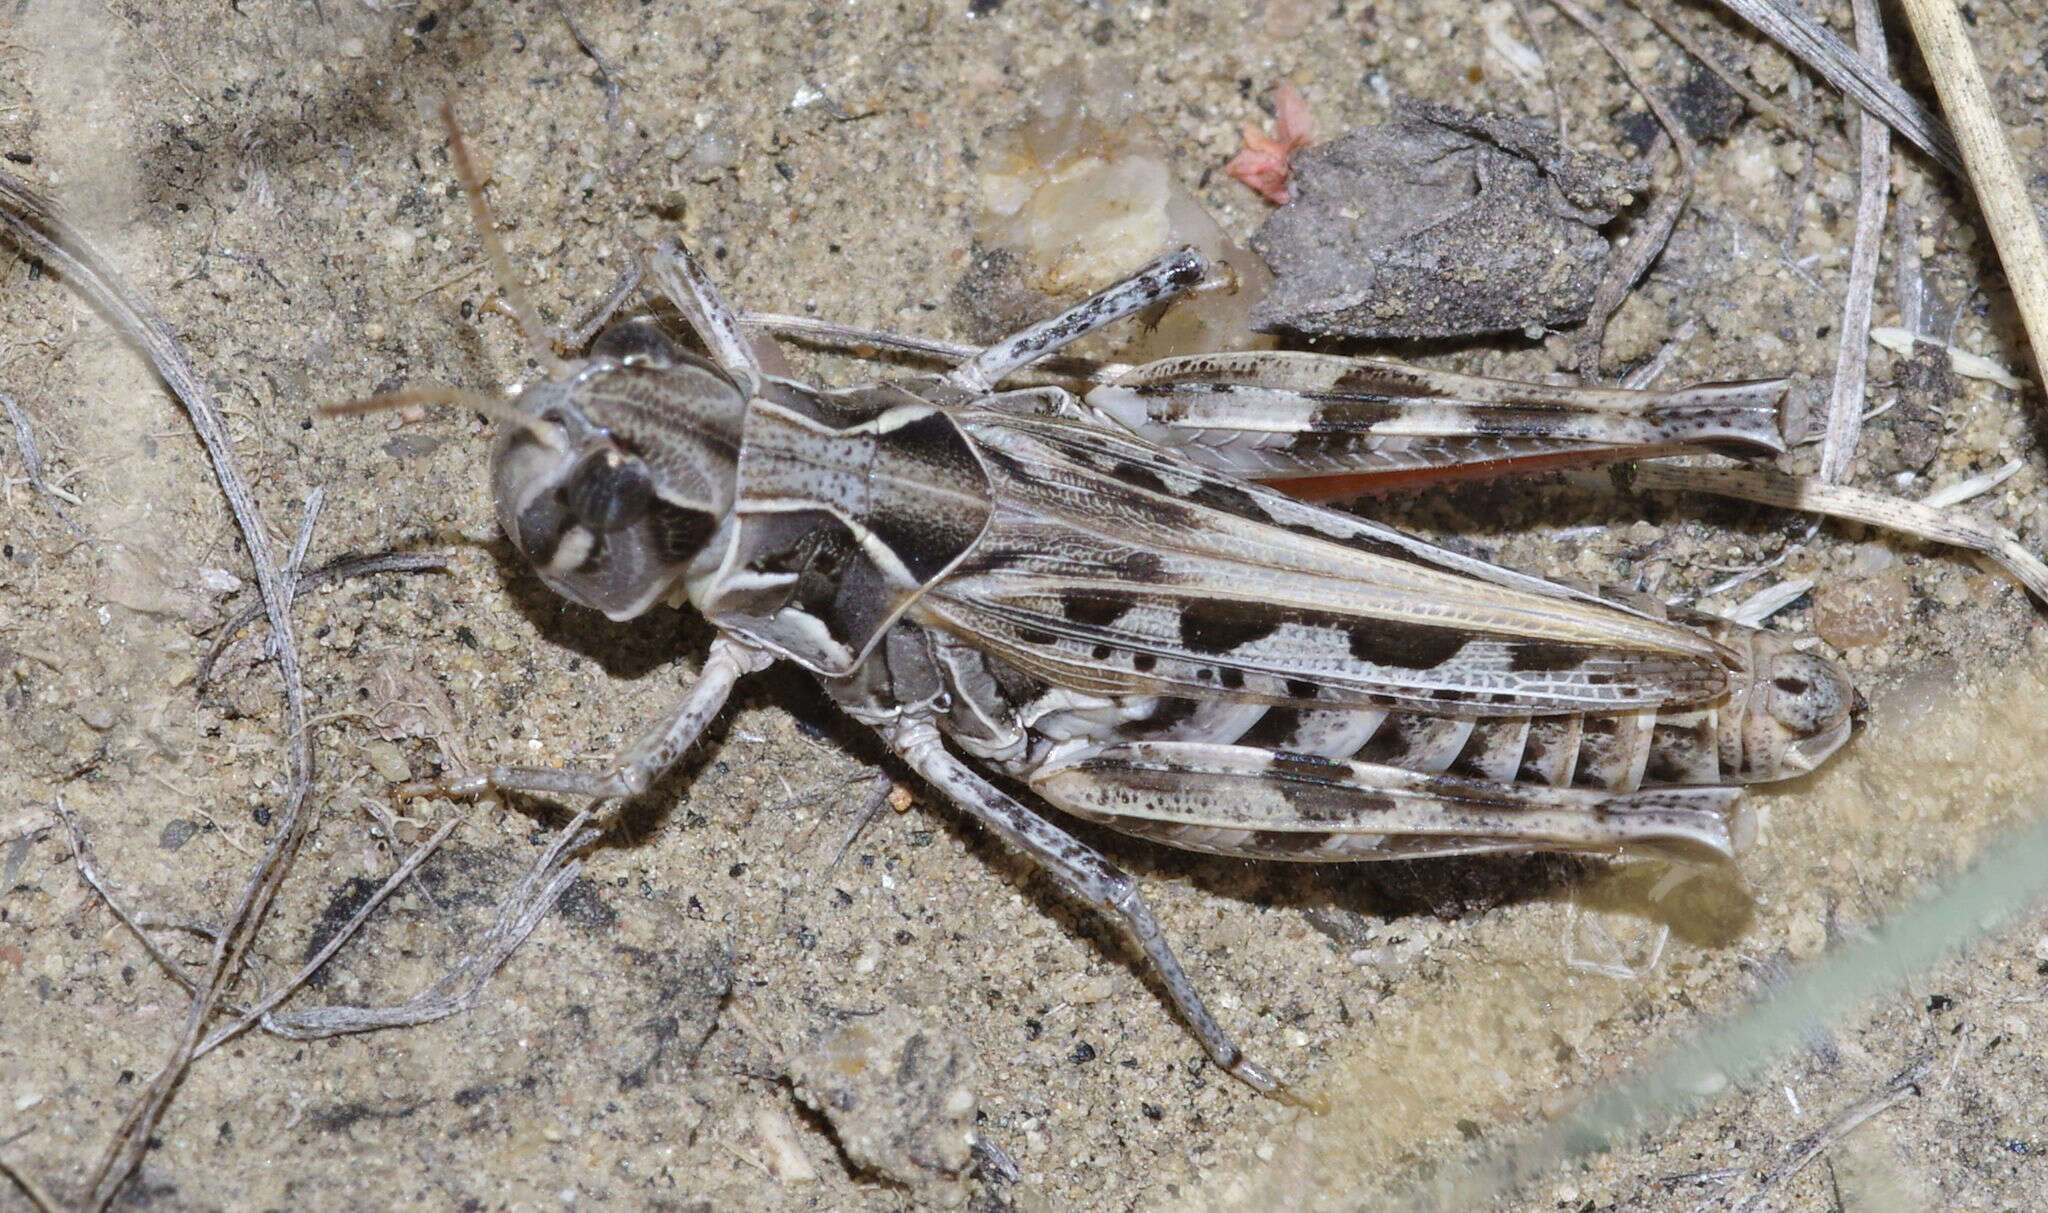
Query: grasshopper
{"x": 1095, "y": 597}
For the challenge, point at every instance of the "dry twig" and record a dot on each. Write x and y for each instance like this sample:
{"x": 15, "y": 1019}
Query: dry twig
{"x": 2015, "y": 229}
{"x": 88, "y": 871}
{"x": 604, "y": 68}
{"x": 460, "y": 988}
{"x": 263, "y": 1010}
{"x": 1852, "y": 353}
{"x": 1813, "y": 1145}
{"x": 1655, "y": 228}
{"x": 1917, "y": 519}
{"x": 334, "y": 570}
{"x": 1807, "y": 40}
{"x": 38, "y": 226}
{"x": 27, "y": 1186}
{"x": 32, "y": 459}
{"x": 1660, "y": 16}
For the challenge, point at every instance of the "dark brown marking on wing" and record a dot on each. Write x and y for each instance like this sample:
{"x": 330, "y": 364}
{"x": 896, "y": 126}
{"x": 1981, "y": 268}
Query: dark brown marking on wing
{"x": 1146, "y": 568}
{"x": 1354, "y": 413}
{"x": 1377, "y": 380}
{"x": 1288, "y": 764}
{"x": 1407, "y": 646}
{"x": 1139, "y": 477}
{"x": 1369, "y": 544}
{"x": 1541, "y": 656}
{"x": 1095, "y": 608}
{"x": 1221, "y": 626}
{"x": 1229, "y": 499}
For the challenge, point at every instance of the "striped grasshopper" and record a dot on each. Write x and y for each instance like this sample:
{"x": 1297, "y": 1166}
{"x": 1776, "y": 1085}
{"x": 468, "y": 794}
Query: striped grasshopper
{"x": 1094, "y": 596}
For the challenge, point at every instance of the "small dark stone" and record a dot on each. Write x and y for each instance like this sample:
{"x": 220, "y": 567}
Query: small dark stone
{"x": 1083, "y": 1053}
{"x": 177, "y": 834}
{"x": 1926, "y": 383}
{"x": 1441, "y": 224}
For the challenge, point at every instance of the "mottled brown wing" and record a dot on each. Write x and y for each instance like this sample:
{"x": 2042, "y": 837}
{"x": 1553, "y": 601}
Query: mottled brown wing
{"x": 1112, "y": 568}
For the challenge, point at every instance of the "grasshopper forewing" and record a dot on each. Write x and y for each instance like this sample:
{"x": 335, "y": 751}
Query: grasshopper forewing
{"x": 1094, "y": 597}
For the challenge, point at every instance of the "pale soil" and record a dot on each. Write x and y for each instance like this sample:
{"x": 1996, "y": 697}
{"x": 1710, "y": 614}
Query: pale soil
{"x": 265, "y": 173}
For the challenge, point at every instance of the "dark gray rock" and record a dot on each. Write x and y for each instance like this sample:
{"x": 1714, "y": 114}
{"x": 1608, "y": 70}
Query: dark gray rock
{"x": 1441, "y": 224}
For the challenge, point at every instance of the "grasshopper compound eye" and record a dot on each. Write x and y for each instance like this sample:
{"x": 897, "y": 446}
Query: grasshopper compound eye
{"x": 608, "y": 491}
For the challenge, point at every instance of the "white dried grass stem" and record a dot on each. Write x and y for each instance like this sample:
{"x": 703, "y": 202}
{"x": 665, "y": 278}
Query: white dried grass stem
{"x": 1753, "y": 610}
{"x": 2015, "y": 229}
{"x": 1852, "y": 353}
{"x": 1934, "y": 524}
{"x": 1975, "y": 486}
{"x": 1965, "y": 363}
{"x": 1807, "y": 40}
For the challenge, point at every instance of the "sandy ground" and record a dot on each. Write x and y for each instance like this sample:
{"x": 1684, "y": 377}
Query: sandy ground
{"x": 265, "y": 172}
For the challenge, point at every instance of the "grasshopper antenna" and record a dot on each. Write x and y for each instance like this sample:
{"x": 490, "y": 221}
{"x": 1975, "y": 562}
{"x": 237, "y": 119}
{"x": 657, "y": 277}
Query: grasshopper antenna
{"x": 499, "y": 410}
{"x": 472, "y": 183}
{"x": 494, "y": 407}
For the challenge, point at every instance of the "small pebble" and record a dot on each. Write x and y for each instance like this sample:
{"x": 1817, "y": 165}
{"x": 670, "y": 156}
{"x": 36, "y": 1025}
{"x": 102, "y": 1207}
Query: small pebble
{"x": 1807, "y": 937}
{"x": 1852, "y": 613}
{"x": 387, "y": 761}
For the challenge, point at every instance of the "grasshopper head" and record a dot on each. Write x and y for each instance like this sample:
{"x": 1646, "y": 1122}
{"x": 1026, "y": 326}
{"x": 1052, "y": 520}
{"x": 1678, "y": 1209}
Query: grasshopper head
{"x": 622, "y": 471}
{"x": 614, "y": 473}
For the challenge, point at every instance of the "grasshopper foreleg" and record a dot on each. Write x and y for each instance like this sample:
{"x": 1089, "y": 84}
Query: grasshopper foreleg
{"x": 657, "y": 750}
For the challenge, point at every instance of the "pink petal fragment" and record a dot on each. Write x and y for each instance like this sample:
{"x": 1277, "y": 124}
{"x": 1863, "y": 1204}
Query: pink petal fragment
{"x": 1263, "y": 162}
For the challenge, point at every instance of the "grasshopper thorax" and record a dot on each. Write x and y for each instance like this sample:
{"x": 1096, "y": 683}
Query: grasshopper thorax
{"x": 622, "y": 471}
